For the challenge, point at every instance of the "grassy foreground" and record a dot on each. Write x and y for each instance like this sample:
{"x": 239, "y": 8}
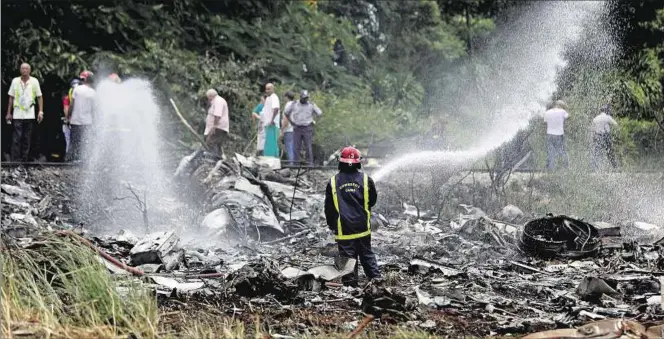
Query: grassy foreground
{"x": 58, "y": 288}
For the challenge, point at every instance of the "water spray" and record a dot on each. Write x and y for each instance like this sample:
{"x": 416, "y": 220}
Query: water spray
{"x": 524, "y": 62}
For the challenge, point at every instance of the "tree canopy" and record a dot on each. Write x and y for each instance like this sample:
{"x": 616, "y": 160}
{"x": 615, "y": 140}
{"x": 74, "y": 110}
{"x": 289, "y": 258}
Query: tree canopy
{"x": 386, "y": 56}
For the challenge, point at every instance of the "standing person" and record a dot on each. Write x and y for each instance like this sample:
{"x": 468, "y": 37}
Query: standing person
{"x": 217, "y": 123}
{"x": 260, "y": 133}
{"x": 270, "y": 119}
{"x": 301, "y": 116}
{"x": 23, "y": 94}
{"x": 287, "y": 130}
{"x": 602, "y": 143}
{"x": 81, "y": 116}
{"x": 349, "y": 197}
{"x": 66, "y": 102}
{"x": 115, "y": 78}
{"x": 555, "y": 131}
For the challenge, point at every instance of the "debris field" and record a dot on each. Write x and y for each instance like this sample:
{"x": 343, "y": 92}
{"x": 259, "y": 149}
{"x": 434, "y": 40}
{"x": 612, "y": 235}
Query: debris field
{"x": 261, "y": 246}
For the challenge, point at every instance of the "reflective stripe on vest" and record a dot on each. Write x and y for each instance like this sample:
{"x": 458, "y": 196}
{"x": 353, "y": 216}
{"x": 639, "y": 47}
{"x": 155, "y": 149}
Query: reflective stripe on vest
{"x": 340, "y": 233}
{"x": 16, "y": 97}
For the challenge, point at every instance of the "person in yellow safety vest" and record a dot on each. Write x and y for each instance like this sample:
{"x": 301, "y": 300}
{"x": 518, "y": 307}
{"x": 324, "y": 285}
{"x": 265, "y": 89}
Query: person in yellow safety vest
{"x": 23, "y": 94}
{"x": 349, "y": 197}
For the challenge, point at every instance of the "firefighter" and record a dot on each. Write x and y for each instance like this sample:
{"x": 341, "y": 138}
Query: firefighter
{"x": 349, "y": 197}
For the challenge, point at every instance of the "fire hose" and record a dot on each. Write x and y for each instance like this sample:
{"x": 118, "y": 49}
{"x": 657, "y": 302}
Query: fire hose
{"x": 122, "y": 265}
{"x": 366, "y": 321}
{"x": 103, "y": 254}
{"x": 137, "y": 271}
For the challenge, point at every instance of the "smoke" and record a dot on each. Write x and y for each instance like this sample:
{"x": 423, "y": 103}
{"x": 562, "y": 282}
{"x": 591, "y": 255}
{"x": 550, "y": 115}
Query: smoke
{"x": 519, "y": 76}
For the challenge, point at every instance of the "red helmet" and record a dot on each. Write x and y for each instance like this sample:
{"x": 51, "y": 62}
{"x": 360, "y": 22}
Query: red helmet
{"x": 85, "y": 74}
{"x": 350, "y": 155}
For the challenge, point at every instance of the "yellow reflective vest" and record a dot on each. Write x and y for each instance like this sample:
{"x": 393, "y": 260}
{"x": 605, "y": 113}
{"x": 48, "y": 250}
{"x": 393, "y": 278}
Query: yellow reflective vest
{"x": 349, "y": 188}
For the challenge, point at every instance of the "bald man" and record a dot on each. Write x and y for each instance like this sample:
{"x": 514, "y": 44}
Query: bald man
{"x": 270, "y": 119}
{"x": 24, "y": 93}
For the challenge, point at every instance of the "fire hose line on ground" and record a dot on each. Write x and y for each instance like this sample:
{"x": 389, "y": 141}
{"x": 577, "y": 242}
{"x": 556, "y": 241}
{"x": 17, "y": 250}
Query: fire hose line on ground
{"x": 105, "y": 255}
{"x": 366, "y": 321}
{"x": 122, "y": 265}
{"x": 137, "y": 271}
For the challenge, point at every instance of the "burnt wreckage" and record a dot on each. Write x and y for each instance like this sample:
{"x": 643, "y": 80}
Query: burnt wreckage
{"x": 559, "y": 236}
{"x": 261, "y": 246}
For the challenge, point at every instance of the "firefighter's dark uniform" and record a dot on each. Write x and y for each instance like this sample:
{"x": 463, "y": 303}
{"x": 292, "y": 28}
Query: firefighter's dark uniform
{"x": 349, "y": 198}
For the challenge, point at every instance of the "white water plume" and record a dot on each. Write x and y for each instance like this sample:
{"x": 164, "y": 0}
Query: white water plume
{"x": 524, "y": 62}
{"x": 123, "y": 176}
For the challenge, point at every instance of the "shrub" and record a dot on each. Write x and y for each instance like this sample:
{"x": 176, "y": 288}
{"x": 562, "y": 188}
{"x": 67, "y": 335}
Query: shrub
{"x": 639, "y": 142}
{"x": 353, "y": 118}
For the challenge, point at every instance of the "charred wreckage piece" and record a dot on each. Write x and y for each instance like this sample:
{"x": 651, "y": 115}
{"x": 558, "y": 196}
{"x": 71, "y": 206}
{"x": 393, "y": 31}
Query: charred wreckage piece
{"x": 559, "y": 236}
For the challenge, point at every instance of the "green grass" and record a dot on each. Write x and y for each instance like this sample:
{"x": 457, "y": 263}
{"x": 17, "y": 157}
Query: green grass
{"x": 61, "y": 288}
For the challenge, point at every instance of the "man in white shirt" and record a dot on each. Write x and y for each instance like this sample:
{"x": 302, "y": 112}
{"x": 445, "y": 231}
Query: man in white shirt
{"x": 24, "y": 93}
{"x": 602, "y": 143}
{"x": 287, "y": 130}
{"x": 555, "y": 134}
{"x": 81, "y": 116}
{"x": 270, "y": 120}
{"x": 217, "y": 123}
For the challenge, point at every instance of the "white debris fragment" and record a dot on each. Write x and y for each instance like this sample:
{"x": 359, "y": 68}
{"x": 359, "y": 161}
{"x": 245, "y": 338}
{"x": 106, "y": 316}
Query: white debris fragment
{"x": 21, "y": 192}
{"x": 655, "y": 300}
{"x": 645, "y": 226}
{"x": 510, "y": 213}
{"x": 174, "y": 284}
{"x": 428, "y": 324}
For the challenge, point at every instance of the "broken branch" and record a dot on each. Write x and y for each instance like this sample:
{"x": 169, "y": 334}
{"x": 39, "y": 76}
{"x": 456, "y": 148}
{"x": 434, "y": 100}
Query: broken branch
{"x": 186, "y": 124}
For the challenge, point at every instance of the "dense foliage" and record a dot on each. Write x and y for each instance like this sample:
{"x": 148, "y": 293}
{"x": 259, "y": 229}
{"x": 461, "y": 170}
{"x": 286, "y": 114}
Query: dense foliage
{"x": 633, "y": 82}
{"x": 376, "y": 66}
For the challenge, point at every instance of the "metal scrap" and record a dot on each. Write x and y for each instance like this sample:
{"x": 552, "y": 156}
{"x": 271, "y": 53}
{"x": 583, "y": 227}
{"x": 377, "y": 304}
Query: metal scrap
{"x": 158, "y": 248}
{"x": 559, "y": 236}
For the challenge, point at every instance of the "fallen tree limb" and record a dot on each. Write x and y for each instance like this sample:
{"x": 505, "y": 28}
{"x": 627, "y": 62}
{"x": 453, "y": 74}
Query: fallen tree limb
{"x": 250, "y": 142}
{"x": 186, "y": 123}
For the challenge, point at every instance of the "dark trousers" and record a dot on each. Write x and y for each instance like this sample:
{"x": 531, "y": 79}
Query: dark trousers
{"x": 303, "y": 135}
{"x": 603, "y": 147}
{"x": 215, "y": 142}
{"x": 359, "y": 248}
{"x": 78, "y": 142}
{"x": 22, "y": 138}
{"x": 555, "y": 147}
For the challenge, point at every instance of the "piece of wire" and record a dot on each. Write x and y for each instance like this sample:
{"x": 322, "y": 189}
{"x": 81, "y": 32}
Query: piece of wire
{"x": 297, "y": 178}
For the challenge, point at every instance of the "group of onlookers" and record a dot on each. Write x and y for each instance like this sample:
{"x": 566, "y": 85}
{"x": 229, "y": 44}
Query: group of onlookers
{"x": 78, "y": 111}
{"x": 293, "y": 125}
{"x": 602, "y": 144}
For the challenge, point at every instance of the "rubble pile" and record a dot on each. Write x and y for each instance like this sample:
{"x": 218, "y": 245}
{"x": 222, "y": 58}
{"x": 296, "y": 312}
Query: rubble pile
{"x": 263, "y": 247}
{"x": 249, "y": 199}
{"x": 30, "y": 204}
